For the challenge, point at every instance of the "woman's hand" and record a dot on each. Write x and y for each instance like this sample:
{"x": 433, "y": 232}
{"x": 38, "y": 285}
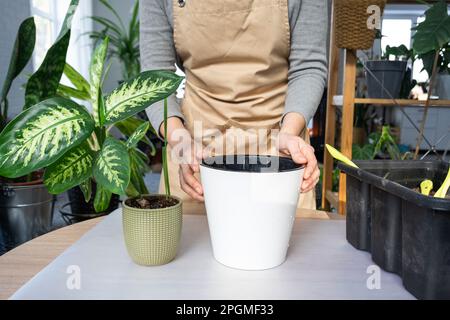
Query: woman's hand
{"x": 291, "y": 144}
{"x": 188, "y": 155}
{"x": 192, "y": 158}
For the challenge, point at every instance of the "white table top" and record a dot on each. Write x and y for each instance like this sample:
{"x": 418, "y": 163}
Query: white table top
{"x": 320, "y": 265}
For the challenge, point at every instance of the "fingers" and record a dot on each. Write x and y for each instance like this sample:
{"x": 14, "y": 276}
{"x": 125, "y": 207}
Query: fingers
{"x": 311, "y": 164}
{"x": 309, "y": 183}
{"x": 189, "y": 183}
{"x": 293, "y": 147}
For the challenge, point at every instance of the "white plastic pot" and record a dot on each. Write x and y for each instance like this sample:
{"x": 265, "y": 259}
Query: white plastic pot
{"x": 251, "y": 204}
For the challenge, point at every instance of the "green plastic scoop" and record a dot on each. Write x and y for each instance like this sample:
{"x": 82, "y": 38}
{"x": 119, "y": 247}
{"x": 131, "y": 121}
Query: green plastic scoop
{"x": 426, "y": 186}
{"x": 442, "y": 191}
{"x": 339, "y": 156}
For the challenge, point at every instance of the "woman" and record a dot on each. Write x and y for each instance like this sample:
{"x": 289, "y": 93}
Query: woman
{"x": 249, "y": 64}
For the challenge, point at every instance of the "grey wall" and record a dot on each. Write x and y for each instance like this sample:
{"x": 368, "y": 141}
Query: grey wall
{"x": 123, "y": 7}
{"x": 13, "y": 13}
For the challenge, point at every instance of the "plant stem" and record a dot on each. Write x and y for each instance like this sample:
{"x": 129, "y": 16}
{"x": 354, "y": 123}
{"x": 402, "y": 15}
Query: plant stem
{"x": 3, "y": 113}
{"x": 164, "y": 154}
{"x": 427, "y": 104}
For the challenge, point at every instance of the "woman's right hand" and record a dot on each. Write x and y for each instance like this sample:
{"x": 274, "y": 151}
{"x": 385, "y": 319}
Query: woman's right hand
{"x": 188, "y": 154}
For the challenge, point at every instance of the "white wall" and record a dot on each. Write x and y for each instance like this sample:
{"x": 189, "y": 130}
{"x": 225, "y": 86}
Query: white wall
{"x": 124, "y": 8}
{"x": 14, "y": 12}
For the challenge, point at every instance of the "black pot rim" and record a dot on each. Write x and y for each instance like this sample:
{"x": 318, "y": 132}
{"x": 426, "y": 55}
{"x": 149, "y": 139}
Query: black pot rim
{"x": 292, "y": 166}
{"x": 395, "y": 188}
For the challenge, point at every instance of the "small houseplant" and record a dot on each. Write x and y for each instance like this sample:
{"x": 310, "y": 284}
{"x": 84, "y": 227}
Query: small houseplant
{"x": 152, "y": 223}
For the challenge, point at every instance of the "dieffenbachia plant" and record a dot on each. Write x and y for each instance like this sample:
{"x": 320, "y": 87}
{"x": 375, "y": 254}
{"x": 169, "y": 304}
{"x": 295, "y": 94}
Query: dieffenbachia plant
{"x": 75, "y": 146}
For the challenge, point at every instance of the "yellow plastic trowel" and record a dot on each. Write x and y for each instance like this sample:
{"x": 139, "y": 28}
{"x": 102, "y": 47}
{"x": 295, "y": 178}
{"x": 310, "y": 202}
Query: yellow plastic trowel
{"x": 442, "y": 191}
{"x": 339, "y": 156}
{"x": 426, "y": 186}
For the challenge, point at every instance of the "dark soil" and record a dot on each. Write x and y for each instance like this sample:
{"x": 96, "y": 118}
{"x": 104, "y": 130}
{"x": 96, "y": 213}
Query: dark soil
{"x": 152, "y": 202}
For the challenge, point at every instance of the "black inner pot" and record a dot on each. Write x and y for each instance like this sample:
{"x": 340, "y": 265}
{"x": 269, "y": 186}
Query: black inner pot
{"x": 251, "y": 163}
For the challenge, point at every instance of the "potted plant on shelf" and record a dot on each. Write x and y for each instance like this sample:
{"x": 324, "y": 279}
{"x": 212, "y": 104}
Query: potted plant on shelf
{"x": 75, "y": 147}
{"x": 388, "y": 74}
{"x": 26, "y": 207}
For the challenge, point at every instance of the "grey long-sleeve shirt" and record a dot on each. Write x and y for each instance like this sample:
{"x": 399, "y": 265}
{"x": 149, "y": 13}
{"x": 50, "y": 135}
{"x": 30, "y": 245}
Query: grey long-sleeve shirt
{"x": 308, "y": 20}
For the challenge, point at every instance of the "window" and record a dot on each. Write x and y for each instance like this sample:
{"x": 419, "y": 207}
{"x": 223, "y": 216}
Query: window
{"x": 49, "y": 16}
{"x": 396, "y": 32}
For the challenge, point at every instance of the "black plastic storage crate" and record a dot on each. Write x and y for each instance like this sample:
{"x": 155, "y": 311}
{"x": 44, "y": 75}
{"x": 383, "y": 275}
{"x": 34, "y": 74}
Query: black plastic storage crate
{"x": 406, "y": 232}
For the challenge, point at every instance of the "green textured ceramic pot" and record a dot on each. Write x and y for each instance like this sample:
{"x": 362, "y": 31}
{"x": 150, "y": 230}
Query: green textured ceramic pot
{"x": 152, "y": 236}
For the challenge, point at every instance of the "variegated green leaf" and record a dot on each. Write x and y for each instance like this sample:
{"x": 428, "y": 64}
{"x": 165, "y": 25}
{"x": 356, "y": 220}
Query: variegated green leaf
{"x": 41, "y": 134}
{"x": 138, "y": 135}
{"x": 112, "y": 167}
{"x": 69, "y": 92}
{"x": 76, "y": 79}
{"x": 130, "y": 125}
{"x": 132, "y": 191}
{"x": 44, "y": 82}
{"x": 139, "y": 93}
{"x": 95, "y": 73}
{"x": 100, "y": 112}
{"x": 86, "y": 188}
{"x": 102, "y": 198}
{"x": 73, "y": 168}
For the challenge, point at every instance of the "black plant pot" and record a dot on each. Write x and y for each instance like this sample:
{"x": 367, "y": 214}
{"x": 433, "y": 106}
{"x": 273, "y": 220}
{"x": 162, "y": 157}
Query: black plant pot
{"x": 82, "y": 210}
{"x": 387, "y": 74}
{"x": 406, "y": 232}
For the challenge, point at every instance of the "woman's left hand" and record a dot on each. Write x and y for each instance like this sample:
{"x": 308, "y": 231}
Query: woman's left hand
{"x": 301, "y": 153}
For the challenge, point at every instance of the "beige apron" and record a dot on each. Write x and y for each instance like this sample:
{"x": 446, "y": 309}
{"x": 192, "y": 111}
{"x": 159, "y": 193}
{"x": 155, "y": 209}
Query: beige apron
{"x": 235, "y": 55}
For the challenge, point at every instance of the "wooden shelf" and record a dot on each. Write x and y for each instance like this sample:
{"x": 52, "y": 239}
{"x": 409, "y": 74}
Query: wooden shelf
{"x": 337, "y": 101}
{"x": 346, "y": 102}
